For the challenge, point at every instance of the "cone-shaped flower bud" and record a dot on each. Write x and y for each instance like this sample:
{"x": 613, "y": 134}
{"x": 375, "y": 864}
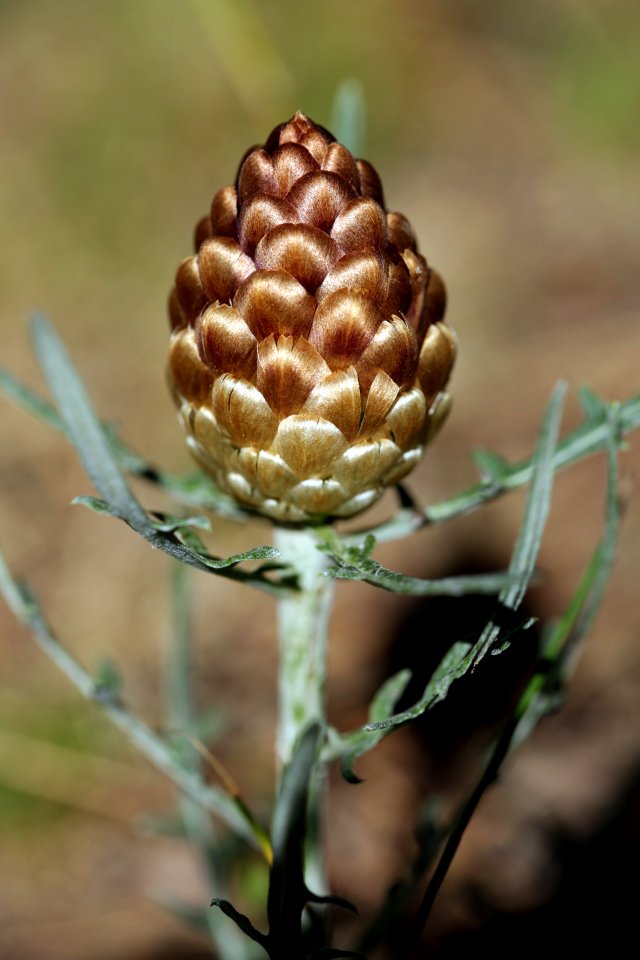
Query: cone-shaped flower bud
{"x": 308, "y": 355}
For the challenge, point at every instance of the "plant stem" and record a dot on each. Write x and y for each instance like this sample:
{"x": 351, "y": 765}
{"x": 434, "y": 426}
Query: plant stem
{"x": 303, "y": 621}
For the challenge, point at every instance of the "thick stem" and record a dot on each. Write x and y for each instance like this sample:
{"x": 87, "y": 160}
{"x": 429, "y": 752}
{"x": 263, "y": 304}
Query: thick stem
{"x": 303, "y": 622}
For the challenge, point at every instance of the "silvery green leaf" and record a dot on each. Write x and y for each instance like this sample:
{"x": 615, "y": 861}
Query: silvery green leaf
{"x": 29, "y": 400}
{"x": 545, "y": 690}
{"x": 388, "y": 695}
{"x": 491, "y": 465}
{"x": 525, "y": 553}
{"x": 373, "y": 573}
{"x": 95, "y": 504}
{"x": 594, "y": 408}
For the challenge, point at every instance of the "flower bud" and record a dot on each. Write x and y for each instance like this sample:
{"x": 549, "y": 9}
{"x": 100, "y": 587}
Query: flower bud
{"x": 308, "y": 356}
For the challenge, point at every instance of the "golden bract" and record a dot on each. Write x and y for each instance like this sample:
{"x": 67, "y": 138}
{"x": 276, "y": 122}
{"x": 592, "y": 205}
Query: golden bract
{"x": 308, "y": 358}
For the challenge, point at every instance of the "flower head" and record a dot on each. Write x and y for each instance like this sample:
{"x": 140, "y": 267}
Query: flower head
{"x": 308, "y": 355}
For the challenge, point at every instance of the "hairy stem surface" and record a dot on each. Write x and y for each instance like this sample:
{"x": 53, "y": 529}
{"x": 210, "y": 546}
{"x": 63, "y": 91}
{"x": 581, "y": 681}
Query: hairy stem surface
{"x": 303, "y": 622}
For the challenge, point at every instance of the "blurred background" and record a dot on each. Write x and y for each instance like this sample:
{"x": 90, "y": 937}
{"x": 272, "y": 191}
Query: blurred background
{"x": 509, "y": 133}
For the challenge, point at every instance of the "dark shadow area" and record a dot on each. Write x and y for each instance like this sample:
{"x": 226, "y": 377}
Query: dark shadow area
{"x": 484, "y": 696}
{"x": 593, "y": 911}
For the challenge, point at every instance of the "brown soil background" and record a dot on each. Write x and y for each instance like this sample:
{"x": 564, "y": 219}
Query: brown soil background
{"x": 508, "y": 133}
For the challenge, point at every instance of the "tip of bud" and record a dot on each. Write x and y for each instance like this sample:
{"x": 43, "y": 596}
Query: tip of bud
{"x": 299, "y": 129}
{"x": 301, "y": 121}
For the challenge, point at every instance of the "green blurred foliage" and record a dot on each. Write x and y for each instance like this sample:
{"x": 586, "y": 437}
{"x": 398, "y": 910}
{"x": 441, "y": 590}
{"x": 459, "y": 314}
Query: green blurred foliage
{"x": 596, "y": 78}
{"x": 72, "y": 724}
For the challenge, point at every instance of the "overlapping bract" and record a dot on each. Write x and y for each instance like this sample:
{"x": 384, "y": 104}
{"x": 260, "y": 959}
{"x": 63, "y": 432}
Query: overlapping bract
{"x": 308, "y": 355}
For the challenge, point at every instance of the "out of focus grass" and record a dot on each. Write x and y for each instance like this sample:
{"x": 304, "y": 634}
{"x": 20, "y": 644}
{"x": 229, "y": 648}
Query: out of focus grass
{"x": 72, "y": 725}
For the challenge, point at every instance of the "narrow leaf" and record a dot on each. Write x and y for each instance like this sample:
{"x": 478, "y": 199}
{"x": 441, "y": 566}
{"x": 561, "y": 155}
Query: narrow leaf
{"x": 491, "y": 465}
{"x": 594, "y": 408}
{"x": 354, "y": 562}
{"x": 527, "y": 546}
{"x": 388, "y": 695}
{"x": 287, "y": 891}
{"x": 26, "y": 398}
{"x": 543, "y": 690}
{"x": 373, "y": 573}
{"x": 82, "y": 425}
{"x": 289, "y": 814}
{"x": 95, "y": 504}
{"x": 348, "y": 116}
{"x": 453, "y": 665}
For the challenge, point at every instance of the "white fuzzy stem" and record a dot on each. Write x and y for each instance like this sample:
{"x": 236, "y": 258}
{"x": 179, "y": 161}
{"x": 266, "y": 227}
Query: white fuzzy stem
{"x": 303, "y": 624}
{"x": 303, "y": 621}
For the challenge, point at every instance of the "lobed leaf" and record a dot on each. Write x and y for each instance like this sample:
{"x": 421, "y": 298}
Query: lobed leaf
{"x": 354, "y": 562}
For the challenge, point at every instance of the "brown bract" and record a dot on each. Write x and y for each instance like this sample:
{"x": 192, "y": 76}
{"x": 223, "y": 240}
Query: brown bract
{"x": 308, "y": 356}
